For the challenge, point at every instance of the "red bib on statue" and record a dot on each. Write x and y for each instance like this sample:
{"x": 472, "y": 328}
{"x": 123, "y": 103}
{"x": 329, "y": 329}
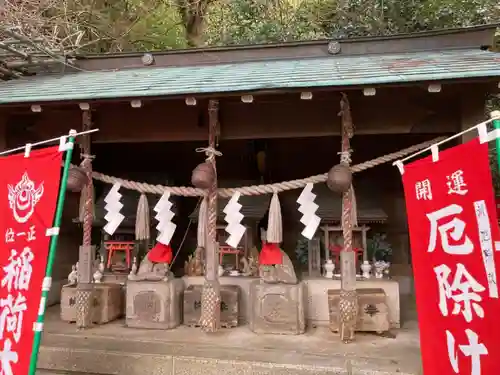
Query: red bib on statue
{"x": 270, "y": 254}
{"x": 160, "y": 254}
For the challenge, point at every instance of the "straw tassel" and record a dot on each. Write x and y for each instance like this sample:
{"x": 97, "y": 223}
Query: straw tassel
{"x": 275, "y": 226}
{"x": 271, "y": 252}
{"x": 142, "y": 217}
{"x": 202, "y": 223}
{"x": 81, "y": 208}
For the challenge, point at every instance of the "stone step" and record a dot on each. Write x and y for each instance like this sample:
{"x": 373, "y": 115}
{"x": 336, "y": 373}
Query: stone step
{"x": 68, "y": 354}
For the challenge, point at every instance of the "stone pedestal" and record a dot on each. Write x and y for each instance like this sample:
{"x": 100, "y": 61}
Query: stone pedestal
{"x": 115, "y": 278}
{"x": 107, "y": 303}
{"x": 277, "y": 308}
{"x": 230, "y": 295}
{"x": 154, "y": 304}
{"x": 373, "y": 312}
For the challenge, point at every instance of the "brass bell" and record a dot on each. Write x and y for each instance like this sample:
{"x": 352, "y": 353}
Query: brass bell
{"x": 203, "y": 176}
{"x": 339, "y": 178}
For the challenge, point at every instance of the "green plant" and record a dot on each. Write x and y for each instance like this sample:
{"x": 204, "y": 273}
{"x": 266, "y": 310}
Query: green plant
{"x": 378, "y": 248}
{"x": 302, "y": 250}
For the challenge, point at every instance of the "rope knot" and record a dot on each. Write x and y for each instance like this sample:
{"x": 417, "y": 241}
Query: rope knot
{"x": 345, "y": 156}
{"x": 86, "y": 157}
{"x": 210, "y": 152}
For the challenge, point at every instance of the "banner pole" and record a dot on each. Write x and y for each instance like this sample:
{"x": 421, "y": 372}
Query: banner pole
{"x": 38, "y": 327}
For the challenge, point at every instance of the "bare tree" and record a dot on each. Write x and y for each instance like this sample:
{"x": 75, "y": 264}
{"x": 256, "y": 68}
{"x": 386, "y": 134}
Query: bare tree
{"x": 193, "y": 13}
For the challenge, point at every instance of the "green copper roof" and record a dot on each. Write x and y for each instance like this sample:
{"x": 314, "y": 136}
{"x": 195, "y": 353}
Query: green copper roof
{"x": 249, "y": 76}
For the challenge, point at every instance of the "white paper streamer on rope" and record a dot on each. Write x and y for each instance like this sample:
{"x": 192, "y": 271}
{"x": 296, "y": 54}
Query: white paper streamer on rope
{"x": 233, "y": 219}
{"x": 142, "y": 230}
{"x": 164, "y": 215}
{"x": 202, "y": 223}
{"x": 113, "y": 207}
{"x": 275, "y": 225}
{"x": 308, "y": 209}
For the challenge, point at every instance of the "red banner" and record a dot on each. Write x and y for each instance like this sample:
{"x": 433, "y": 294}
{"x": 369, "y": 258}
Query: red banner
{"x": 453, "y": 227}
{"x": 29, "y": 187}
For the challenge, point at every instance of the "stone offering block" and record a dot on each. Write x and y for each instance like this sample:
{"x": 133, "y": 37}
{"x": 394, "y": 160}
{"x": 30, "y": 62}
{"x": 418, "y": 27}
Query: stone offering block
{"x": 115, "y": 278}
{"x": 230, "y": 295}
{"x": 154, "y": 304}
{"x": 277, "y": 308}
{"x": 107, "y": 303}
{"x": 373, "y": 313}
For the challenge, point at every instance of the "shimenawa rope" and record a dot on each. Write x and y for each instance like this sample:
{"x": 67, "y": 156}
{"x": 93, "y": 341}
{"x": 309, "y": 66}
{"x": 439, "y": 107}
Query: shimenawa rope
{"x": 186, "y": 191}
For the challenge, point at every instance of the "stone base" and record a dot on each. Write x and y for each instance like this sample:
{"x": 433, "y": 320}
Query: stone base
{"x": 115, "y": 278}
{"x": 55, "y": 292}
{"x": 317, "y": 294}
{"x": 373, "y": 313}
{"x": 107, "y": 305}
{"x": 242, "y": 282}
{"x": 154, "y": 304}
{"x": 277, "y": 308}
{"x": 229, "y": 305}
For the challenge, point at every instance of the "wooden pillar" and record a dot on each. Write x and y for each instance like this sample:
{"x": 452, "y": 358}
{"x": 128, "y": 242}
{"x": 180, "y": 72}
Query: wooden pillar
{"x": 326, "y": 239}
{"x": 348, "y": 305}
{"x": 85, "y": 287}
{"x": 210, "y": 300}
{"x": 364, "y": 242}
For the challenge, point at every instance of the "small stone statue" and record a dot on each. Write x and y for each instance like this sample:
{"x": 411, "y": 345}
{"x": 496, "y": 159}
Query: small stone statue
{"x": 194, "y": 266}
{"x": 246, "y": 266}
{"x": 150, "y": 271}
{"x": 73, "y": 275}
{"x": 99, "y": 273}
{"x": 280, "y": 273}
{"x": 250, "y": 266}
{"x": 133, "y": 270}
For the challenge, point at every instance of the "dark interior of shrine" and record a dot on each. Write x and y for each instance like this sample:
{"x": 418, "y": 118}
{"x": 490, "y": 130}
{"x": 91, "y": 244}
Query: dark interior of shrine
{"x": 285, "y": 159}
{"x": 245, "y": 162}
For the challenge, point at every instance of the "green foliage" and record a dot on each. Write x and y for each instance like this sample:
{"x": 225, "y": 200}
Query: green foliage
{"x": 258, "y": 21}
{"x": 136, "y": 25}
{"x": 302, "y": 250}
{"x": 378, "y": 248}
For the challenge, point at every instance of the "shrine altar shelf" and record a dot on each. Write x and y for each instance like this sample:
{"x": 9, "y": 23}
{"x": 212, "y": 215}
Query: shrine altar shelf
{"x": 328, "y": 229}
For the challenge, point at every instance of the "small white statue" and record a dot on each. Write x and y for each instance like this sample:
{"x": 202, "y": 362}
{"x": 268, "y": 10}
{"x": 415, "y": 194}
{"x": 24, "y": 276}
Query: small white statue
{"x": 99, "y": 273}
{"x": 366, "y": 267}
{"x": 97, "y": 276}
{"x": 73, "y": 275}
{"x": 380, "y": 266}
{"x": 101, "y": 265}
{"x": 220, "y": 270}
{"x": 133, "y": 270}
{"x": 329, "y": 267}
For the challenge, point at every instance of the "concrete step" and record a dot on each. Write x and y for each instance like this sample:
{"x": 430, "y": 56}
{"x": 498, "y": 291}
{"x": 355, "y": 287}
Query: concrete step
{"x": 67, "y": 354}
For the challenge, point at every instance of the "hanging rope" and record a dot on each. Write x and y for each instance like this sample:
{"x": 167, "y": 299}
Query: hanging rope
{"x": 279, "y": 187}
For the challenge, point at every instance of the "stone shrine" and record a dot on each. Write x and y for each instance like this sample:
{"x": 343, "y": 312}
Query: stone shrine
{"x": 230, "y": 295}
{"x": 107, "y": 303}
{"x": 154, "y": 297}
{"x": 277, "y": 300}
{"x": 373, "y": 311}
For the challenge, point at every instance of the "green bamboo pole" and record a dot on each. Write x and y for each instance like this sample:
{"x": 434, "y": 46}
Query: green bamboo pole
{"x": 496, "y": 125}
{"x": 52, "y": 254}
